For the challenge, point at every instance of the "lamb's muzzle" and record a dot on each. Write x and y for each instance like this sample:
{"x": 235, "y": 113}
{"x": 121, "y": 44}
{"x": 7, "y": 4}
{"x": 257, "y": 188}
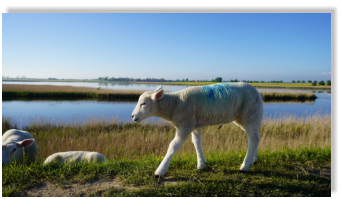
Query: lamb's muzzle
{"x": 135, "y": 119}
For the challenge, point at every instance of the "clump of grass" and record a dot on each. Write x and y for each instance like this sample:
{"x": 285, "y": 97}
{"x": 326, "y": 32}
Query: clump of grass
{"x": 7, "y": 124}
{"x": 285, "y": 96}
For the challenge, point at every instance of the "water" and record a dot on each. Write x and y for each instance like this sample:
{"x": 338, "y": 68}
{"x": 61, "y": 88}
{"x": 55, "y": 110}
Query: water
{"x": 81, "y": 111}
{"x": 114, "y": 86}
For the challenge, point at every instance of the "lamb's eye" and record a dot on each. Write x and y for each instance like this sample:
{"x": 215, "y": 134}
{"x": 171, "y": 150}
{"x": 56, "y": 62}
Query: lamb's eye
{"x": 142, "y": 104}
{"x": 14, "y": 149}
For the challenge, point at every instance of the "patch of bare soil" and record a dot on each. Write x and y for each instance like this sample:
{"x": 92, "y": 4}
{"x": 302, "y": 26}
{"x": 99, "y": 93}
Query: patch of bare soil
{"x": 168, "y": 180}
{"x": 81, "y": 189}
{"x": 47, "y": 189}
{"x": 322, "y": 172}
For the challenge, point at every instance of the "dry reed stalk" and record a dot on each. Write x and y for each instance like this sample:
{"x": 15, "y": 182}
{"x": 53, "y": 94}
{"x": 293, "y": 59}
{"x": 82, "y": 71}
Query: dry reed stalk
{"x": 130, "y": 141}
{"x": 70, "y": 89}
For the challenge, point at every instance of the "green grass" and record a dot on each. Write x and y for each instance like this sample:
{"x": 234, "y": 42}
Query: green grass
{"x": 278, "y": 173}
{"x": 290, "y": 148}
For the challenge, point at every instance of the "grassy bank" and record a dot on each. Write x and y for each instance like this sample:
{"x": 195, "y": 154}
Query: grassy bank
{"x": 289, "y": 151}
{"x": 13, "y": 91}
{"x": 131, "y": 141}
{"x": 258, "y": 85}
{"x": 10, "y": 91}
{"x": 279, "y": 173}
{"x": 283, "y": 96}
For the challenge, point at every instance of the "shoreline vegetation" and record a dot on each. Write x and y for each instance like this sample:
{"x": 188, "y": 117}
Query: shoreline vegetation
{"x": 117, "y": 140}
{"x": 293, "y": 154}
{"x": 257, "y": 85}
{"x": 19, "y": 91}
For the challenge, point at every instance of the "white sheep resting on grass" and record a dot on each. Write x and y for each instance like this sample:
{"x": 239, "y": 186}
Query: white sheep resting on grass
{"x": 195, "y": 107}
{"x": 75, "y": 156}
{"x": 18, "y": 146}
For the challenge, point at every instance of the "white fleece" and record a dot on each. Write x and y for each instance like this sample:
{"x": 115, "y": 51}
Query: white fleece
{"x": 193, "y": 108}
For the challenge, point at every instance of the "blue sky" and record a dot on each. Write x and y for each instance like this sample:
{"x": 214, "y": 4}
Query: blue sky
{"x": 254, "y": 46}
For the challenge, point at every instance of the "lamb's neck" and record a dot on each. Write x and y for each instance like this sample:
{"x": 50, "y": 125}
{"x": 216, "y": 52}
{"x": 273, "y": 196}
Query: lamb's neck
{"x": 166, "y": 105}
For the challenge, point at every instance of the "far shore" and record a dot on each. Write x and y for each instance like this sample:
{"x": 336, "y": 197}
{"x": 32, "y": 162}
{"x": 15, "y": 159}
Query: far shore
{"x": 257, "y": 85}
{"x": 17, "y": 91}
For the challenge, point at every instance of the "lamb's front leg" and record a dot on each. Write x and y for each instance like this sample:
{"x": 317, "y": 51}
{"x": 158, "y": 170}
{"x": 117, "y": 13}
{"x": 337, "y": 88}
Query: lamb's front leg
{"x": 196, "y": 139}
{"x": 175, "y": 144}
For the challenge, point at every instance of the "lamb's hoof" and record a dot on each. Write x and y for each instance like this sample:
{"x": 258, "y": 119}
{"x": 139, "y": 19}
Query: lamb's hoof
{"x": 255, "y": 162}
{"x": 157, "y": 176}
{"x": 242, "y": 171}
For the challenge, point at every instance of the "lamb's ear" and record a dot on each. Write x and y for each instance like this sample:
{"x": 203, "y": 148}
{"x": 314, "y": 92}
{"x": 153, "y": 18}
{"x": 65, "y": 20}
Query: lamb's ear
{"x": 158, "y": 94}
{"x": 25, "y": 143}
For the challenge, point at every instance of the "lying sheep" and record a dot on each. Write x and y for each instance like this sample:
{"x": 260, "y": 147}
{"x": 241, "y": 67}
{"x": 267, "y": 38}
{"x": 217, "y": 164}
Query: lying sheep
{"x": 18, "y": 146}
{"x": 75, "y": 156}
{"x": 193, "y": 108}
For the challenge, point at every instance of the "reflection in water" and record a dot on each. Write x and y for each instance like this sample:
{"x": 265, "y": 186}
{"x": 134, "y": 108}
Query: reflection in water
{"x": 284, "y": 90}
{"x": 310, "y": 102}
{"x": 103, "y": 84}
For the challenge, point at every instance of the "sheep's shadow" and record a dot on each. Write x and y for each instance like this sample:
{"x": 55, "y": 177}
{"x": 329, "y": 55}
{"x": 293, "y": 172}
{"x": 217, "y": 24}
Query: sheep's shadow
{"x": 309, "y": 175}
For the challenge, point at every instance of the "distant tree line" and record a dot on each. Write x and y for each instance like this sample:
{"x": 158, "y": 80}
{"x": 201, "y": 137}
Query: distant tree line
{"x": 217, "y": 79}
{"x": 315, "y": 83}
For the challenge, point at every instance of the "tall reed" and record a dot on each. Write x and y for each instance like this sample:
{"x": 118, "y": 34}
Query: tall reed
{"x": 117, "y": 140}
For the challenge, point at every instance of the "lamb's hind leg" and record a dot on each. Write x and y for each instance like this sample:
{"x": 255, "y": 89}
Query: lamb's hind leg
{"x": 251, "y": 156}
{"x": 196, "y": 139}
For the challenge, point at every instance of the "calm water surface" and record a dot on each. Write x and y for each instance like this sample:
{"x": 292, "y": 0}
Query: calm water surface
{"x": 80, "y": 111}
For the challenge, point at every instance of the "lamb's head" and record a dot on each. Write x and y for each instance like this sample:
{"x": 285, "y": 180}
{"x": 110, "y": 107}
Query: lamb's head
{"x": 146, "y": 106}
{"x": 12, "y": 150}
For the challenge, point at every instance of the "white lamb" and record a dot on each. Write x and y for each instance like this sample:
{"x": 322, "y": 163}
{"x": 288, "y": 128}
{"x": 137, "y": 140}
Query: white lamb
{"x": 15, "y": 143}
{"x": 75, "y": 156}
{"x": 193, "y": 108}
